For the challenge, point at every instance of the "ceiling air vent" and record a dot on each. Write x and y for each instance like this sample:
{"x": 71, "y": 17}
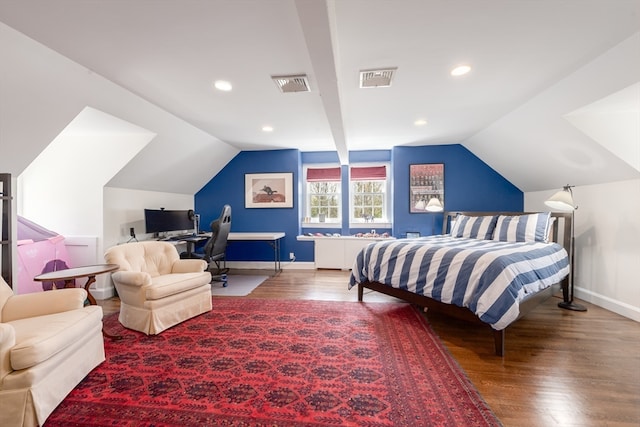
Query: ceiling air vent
{"x": 288, "y": 84}
{"x": 376, "y": 78}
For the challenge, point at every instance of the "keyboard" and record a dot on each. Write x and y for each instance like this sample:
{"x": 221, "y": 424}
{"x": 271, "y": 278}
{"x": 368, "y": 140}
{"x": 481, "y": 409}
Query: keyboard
{"x": 179, "y": 237}
{"x": 184, "y": 236}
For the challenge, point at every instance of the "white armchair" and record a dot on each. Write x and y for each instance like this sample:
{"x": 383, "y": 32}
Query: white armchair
{"x": 157, "y": 289}
{"x": 49, "y": 341}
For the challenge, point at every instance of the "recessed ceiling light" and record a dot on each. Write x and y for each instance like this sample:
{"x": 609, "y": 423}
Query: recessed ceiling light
{"x": 420, "y": 122}
{"x": 267, "y": 128}
{"x": 222, "y": 85}
{"x": 460, "y": 70}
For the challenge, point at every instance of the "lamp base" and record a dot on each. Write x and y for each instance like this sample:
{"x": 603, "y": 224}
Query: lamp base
{"x": 572, "y": 306}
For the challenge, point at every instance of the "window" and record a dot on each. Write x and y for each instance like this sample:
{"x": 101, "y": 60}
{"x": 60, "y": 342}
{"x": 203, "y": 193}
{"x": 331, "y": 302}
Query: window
{"x": 369, "y": 194}
{"x": 323, "y": 194}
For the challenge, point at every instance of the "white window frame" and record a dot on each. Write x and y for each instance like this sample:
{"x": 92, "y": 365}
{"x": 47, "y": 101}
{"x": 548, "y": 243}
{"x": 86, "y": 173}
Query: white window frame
{"x": 311, "y": 222}
{"x": 386, "y": 220}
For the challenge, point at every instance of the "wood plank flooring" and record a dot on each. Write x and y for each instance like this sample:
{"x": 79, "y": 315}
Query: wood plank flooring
{"x": 561, "y": 368}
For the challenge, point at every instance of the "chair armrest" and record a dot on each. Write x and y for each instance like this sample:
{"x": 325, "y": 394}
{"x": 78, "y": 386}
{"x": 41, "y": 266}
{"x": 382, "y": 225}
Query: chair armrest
{"x": 43, "y": 303}
{"x": 188, "y": 266}
{"x": 131, "y": 278}
{"x": 7, "y": 341}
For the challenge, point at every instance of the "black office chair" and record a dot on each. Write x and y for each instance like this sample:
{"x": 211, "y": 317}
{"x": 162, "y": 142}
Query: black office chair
{"x": 215, "y": 248}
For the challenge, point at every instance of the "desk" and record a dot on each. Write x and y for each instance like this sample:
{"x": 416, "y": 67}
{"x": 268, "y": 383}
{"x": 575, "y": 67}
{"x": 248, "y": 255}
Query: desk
{"x": 272, "y": 238}
{"x": 69, "y": 275}
{"x": 192, "y": 240}
{"x": 189, "y": 240}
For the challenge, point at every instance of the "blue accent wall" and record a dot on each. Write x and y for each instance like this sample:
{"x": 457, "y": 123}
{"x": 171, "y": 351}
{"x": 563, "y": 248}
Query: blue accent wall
{"x": 470, "y": 184}
{"x": 227, "y": 187}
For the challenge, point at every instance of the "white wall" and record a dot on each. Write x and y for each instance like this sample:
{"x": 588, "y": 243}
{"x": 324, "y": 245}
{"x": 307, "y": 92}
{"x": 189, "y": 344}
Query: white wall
{"x": 123, "y": 209}
{"x": 607, "y": 238}
{"x": 62, "y": 188}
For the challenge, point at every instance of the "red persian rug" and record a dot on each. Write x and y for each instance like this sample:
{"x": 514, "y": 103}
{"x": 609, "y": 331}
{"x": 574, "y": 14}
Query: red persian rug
{"x": 281, "y": 363}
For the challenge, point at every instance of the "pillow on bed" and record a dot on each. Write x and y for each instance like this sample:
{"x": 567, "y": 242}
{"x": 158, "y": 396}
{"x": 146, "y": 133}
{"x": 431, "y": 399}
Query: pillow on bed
{"x": 474, "y": 227}
{"x": 523, "y": 228}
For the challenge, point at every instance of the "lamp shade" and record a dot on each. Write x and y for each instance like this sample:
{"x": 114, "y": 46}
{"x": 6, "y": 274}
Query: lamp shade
{"x": 562, "y": 200}
{"x": 434, "y": 205}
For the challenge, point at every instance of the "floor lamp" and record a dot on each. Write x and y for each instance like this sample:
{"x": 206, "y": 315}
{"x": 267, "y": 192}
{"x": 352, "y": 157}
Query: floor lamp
{"x": 563, "y": 201}
{"x": 434, "y": 205}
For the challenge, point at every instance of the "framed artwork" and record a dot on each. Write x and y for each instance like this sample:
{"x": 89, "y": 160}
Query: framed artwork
{"x": 426, "y": 181}
{"x": 268, "y": 190}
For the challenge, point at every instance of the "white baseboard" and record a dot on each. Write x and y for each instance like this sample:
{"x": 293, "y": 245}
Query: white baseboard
{"x": 610, "y": 304}
{"x": 103, "y": 293}
{"x": 269, "y": 265}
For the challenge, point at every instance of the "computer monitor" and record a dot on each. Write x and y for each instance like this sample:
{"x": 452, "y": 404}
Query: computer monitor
{"x": 162, "y": 220}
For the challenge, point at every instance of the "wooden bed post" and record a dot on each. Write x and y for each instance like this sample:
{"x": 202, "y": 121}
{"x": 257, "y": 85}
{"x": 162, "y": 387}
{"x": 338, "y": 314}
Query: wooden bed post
{"x": 360, "y": 291}
{"x": 498, "y": 339}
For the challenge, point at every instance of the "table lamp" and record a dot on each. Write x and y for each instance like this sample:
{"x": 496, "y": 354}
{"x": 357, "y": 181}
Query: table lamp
{"x": 434, "y": 205}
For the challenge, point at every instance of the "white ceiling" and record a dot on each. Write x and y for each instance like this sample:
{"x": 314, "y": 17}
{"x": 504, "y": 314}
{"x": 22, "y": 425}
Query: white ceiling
{"x": 613, "y": 122}
{"x": 169, "y": 53}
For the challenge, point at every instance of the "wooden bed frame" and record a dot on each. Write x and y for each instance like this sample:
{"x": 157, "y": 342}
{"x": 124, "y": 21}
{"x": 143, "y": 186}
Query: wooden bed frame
{"x": 563, "y": 221}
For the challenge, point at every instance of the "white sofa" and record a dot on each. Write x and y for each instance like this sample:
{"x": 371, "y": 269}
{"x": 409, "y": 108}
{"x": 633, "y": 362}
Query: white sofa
{"x": 49, "y": 341}
{"x": 157, "y": 289}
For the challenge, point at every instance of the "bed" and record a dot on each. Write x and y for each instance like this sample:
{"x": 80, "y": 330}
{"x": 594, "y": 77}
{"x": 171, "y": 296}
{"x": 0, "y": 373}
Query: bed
{"x": 486, "y": 267}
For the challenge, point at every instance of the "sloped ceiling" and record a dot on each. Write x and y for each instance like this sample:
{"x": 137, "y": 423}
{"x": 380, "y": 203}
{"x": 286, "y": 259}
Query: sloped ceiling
{"x": 613, "y": 123}
{"x": 533, "y": 64}
{"x": 538, "y": 148}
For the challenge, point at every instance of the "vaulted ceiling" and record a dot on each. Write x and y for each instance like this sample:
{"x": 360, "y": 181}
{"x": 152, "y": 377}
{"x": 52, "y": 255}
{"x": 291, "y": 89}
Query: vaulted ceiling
{"x": 536, "y": 66}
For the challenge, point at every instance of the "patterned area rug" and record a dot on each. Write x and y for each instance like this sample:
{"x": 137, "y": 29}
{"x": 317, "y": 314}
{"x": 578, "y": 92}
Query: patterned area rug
{"x": 281, "y": 363}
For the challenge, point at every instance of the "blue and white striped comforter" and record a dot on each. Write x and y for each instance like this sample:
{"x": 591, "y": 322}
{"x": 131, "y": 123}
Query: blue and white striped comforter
{"x": 488, "y": 277}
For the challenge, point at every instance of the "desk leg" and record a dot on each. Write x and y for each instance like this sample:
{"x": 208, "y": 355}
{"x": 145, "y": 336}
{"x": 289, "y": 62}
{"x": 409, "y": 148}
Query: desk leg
{"x": 276, "y": 256}
{"x": 191, "y": 246}
{"x": 92, "y": 301}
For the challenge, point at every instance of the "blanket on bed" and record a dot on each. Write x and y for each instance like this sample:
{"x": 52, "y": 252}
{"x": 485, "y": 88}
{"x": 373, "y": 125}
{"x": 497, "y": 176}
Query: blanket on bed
{"x": 488, "y": 277}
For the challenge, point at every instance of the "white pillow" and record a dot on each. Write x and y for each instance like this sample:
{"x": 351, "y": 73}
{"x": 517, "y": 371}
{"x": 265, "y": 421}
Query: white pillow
{"x": 474, "y": 227}
{"x": 523, "y": 228}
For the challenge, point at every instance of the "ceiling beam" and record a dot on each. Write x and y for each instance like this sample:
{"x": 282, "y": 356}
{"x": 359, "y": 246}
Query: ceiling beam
{"x": 317, "y": 19}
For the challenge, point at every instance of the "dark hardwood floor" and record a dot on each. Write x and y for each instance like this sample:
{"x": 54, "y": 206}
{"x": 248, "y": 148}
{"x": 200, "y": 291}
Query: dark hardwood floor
{"x": 561, "y": 368}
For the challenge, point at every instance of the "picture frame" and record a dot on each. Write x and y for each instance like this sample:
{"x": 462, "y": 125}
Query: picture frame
{"x": 426, "y": 180}
{"x": 268, "y": 190}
